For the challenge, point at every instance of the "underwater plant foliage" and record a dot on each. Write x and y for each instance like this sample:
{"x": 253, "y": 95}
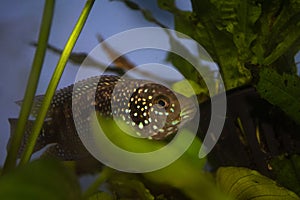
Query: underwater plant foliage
{"x": 253, "y": 43}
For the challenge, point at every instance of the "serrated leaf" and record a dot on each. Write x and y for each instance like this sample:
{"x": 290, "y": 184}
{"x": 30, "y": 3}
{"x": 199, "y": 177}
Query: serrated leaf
{"x": 238, "y": 18}
{"x": 203, "y": 27}
{"x": 282, "y": 91}
{"x": 42, "y": 179}
{"x": 246, "y": 184}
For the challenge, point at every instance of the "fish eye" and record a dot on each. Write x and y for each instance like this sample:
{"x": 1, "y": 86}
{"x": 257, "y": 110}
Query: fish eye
{"x": 162, "y": 101}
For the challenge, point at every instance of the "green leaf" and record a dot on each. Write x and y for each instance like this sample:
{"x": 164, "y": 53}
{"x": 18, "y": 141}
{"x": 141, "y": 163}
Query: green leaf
{"x": 37, "y": 126}
{"x": 128, "y": 186}
{"x": 293, "y": 32}
{"x": 181, "y": 87}
{"x": 182, "y": 64}
{"x": 187, "y": 175}
{"x": 219, "y": 43}
{"x": 191, "y": 180}
{"x": 278, "y": 30}
{"x": 119, "y": 136}
{"x": 281, "y": 90}
{"x": 246, "y": 184}
{"x": 238, "y": 18}
{"x": 287, "y": 171}
{"x": 42, "y": 179}
{"x": 32, "y": 85}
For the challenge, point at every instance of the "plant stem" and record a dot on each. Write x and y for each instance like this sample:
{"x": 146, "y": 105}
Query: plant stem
{"x": 32, "y": 83}
{"x": 54, "y": 82}
{"x": 103, "y": 176}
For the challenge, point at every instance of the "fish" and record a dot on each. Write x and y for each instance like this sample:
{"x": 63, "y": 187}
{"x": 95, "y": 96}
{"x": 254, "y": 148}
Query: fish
{"x": 153, "y": 111}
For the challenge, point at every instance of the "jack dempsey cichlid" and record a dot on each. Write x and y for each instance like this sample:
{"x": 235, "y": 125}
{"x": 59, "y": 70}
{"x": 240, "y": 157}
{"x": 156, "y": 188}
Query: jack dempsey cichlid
{"x": 141, "y": 104}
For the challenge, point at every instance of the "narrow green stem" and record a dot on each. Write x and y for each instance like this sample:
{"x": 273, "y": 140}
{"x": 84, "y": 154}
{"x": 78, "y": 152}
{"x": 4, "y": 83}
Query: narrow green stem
{"x": 103, "y": 176}
{"x": 54, "y": 82}
{"x": 33, "y": 80}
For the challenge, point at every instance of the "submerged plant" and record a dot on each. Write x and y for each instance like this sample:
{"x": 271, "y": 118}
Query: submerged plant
{"x": 253, "y": 43}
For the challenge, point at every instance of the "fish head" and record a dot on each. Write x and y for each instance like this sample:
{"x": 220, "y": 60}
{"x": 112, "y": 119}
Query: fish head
{"x": 158, "y": 112}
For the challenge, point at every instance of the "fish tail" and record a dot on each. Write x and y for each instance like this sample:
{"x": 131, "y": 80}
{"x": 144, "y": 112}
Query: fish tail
{"x": 45, "y": 137}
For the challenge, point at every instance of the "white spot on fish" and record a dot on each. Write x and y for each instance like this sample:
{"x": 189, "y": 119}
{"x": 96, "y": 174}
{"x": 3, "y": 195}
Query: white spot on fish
{"x": 141, "y": 126}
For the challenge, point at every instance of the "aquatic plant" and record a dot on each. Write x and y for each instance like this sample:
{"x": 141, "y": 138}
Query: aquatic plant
{"x": 253, "y": 43}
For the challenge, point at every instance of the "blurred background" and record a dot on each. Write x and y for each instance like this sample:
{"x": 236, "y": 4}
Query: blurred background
{"x": 19, "y": 26}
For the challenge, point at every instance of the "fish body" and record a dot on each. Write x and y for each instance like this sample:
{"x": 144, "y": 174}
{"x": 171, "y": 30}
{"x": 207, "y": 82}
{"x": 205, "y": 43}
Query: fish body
{"x": 151, "y": 109}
